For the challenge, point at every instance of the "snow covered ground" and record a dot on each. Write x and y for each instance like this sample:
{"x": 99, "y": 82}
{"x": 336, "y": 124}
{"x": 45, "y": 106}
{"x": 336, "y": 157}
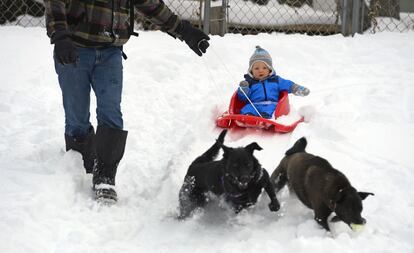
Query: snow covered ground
{"x": 360, "y": 116}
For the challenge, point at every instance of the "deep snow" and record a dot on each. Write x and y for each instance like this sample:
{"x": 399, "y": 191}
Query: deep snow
{"x": 360, "y": 116}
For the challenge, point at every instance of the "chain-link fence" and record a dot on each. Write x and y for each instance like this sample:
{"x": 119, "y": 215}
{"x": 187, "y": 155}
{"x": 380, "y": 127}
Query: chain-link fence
{"x": 22, "y": 12}
{"x": 305, "y": 16}
{"x": 255, "y": 16}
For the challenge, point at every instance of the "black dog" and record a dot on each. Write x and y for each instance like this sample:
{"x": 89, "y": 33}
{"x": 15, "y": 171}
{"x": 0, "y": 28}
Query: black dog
{"x": 238, "y": 177}
{"x": 319, "y": 186}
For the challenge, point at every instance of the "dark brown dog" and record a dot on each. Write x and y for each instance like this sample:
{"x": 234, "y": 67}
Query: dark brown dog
{"x": 319, "y": 186}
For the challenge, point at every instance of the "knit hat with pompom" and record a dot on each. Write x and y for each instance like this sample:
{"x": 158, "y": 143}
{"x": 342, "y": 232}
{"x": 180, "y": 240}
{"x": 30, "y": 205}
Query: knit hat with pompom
{"x": 260, "y": 55}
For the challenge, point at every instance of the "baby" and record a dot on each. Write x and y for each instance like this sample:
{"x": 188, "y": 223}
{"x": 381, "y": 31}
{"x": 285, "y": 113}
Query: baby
{"x": 261, "y": 87}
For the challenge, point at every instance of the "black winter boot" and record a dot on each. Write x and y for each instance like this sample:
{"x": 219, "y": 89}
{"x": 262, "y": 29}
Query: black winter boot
{"x": 110, "y": 147}
{"x": 84, "y": 145}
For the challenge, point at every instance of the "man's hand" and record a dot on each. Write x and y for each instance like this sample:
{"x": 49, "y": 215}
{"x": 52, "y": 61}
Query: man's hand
{"x": 65, "y": 51}
{"x": 196, "y": 39}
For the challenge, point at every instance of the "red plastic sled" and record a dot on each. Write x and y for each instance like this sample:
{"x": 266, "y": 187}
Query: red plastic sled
{"x": 232, "y": 118}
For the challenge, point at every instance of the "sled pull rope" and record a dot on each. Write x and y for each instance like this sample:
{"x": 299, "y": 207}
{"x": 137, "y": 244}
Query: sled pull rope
{"x": 248, "y": 99}
{"x": 244, "y": 93}
{"x": 213, "y": 81}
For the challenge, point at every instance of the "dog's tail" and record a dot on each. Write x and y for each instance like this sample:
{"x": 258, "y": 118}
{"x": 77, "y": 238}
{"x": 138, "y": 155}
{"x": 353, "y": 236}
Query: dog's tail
{"x": 213, "y": 151}
{"x": 298, "y": 147}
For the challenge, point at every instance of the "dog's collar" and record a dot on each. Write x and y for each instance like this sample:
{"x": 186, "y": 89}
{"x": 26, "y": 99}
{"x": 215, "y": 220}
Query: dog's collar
{"x": 256, "y": 179}
{"x": 228, "y": 193}
{"x": 237, "y": 195}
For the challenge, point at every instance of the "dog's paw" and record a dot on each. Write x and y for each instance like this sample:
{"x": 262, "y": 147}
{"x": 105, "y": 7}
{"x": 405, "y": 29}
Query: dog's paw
{"x": 274, "y": 206}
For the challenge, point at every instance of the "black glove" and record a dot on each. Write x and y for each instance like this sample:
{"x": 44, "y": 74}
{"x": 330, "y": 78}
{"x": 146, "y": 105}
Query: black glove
{"x": 65, "y": 51}
{"x": 195, "y": 38}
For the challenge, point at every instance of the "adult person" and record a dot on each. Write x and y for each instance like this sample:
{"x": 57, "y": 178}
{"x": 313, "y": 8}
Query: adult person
{"x": 88, "y": 36}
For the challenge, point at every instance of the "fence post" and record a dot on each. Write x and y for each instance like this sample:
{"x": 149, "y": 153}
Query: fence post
{"x": 352, "y": 18}
{"x": 344, "y": 17}
{"x": 356, "y": 16}
{"x": 223, "y": 28}
{"x": 362, "y": 20}
{"x": 206, "y": 21}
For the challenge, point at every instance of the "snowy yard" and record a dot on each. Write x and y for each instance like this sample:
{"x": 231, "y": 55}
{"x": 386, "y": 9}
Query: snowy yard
{"x": 360, "y": 116}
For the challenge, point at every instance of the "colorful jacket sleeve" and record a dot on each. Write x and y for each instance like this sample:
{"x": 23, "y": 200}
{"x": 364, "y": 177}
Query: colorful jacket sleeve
{"x": 241, "y": 95}
{"x": 285, "y": 84}
{"x": 159, "y": 14}
{"x": 56, "y": 23}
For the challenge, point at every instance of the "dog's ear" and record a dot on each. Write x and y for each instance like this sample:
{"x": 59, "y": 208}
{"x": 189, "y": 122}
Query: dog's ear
{"x": 252, "y": 147}
{"x": 226, "y": 151}
{"x": 364, "y": 195}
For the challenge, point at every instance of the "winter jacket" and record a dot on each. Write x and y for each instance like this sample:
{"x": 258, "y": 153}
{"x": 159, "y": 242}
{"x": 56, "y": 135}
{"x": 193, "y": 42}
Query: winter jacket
{"x": 263, "y": 94}
{"x": 100, "y": 23}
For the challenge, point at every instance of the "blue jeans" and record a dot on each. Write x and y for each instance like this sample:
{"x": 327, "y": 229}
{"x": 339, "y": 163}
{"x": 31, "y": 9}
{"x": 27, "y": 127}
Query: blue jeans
{"x": 101, "y": 70}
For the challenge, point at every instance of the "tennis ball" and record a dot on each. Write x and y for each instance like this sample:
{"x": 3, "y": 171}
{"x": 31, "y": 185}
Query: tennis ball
{"x": 356, "y": 227}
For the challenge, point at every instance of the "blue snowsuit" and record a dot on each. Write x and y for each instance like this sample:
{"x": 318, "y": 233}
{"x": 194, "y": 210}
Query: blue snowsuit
{"x": 263, "y": 94}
